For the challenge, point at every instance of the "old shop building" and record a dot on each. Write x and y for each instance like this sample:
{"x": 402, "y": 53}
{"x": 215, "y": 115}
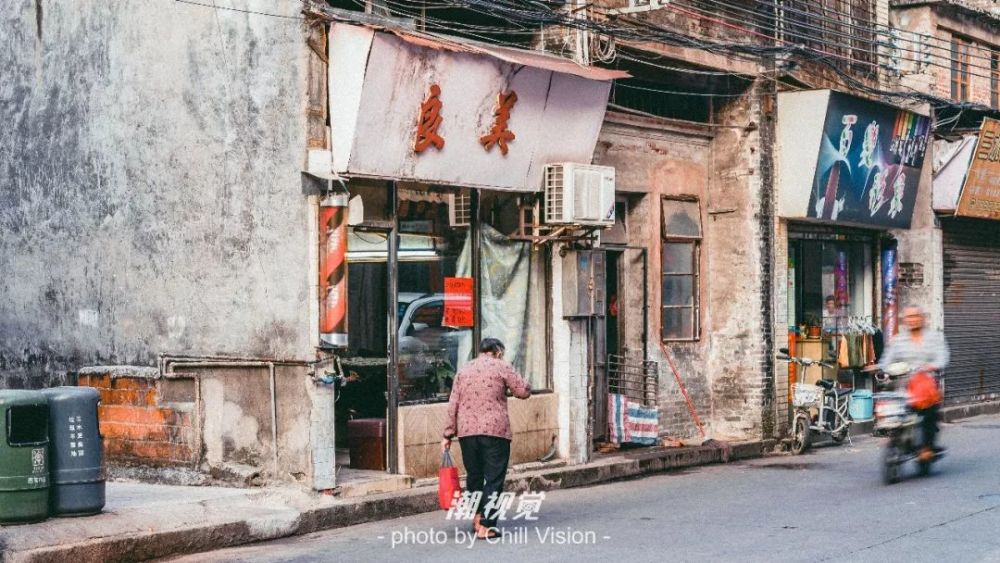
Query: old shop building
{"x": 853, "y": 200}
{"x": 439, "y": 231}
{"x": 963, "y": 39}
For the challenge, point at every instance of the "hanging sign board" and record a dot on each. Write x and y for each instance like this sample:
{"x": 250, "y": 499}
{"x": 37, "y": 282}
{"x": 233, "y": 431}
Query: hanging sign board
{"x": 844, "y": 159}
{"x": 980, "y": 195}
{"x": 410, "y": 106}
{"x": 458, "y": 300}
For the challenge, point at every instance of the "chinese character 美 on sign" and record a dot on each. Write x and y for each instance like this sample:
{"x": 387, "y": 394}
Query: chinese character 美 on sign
{"x": 429, "y": 121}
{"x": 499, "y": 133}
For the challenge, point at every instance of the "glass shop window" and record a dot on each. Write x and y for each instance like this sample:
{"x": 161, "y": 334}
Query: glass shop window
{"x": 434, "y": 249}
{"x": 833, "y": 285}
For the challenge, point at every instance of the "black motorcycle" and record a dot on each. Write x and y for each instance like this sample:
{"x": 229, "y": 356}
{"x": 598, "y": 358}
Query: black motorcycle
{"x": 895, "y": 419}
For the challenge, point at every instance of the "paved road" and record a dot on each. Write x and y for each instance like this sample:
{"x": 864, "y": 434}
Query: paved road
{"x": 826, "y": 505}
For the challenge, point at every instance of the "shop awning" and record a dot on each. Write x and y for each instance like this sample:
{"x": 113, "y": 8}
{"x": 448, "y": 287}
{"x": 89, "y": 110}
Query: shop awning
{"x": 419, "y": 107}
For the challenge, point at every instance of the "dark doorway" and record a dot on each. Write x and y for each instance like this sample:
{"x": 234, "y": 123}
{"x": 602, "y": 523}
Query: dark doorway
{"x": 361, "y": 414}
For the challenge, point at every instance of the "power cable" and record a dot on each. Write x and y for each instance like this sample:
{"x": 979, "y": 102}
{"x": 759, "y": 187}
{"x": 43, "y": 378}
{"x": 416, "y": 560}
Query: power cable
{"x": 232, "y": 9}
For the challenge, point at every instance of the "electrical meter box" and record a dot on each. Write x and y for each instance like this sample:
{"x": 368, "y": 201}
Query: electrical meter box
{"x": 583, "y": 284}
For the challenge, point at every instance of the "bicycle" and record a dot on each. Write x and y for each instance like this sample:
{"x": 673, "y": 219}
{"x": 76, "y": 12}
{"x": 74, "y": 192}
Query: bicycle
{"x": 828, "y": 399}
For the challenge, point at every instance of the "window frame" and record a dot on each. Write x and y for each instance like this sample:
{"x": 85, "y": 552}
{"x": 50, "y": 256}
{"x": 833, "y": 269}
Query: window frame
{"x": 695, "y": 274}
{"x": 994, "y": 79}
{"x": 960, "y": 52}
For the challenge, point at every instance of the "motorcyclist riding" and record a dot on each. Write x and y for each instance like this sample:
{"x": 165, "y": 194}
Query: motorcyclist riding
{"x": 926, "y": 352}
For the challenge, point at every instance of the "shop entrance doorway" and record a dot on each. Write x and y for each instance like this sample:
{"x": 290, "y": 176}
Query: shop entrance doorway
{"x": 361, "y": 413}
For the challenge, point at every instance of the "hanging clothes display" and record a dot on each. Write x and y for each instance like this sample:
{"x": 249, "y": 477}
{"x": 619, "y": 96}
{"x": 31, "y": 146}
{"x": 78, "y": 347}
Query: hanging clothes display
{"x": 856, "y": 344}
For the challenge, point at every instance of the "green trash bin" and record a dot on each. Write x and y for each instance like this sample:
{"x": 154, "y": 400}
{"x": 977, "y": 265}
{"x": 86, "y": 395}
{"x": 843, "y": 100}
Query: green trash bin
{"x": 24, "y": 458}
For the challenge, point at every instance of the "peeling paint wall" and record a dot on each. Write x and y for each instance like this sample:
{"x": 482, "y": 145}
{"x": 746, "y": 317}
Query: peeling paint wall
{"x": 720, "y": 165}
{"x": 151, "y": 202}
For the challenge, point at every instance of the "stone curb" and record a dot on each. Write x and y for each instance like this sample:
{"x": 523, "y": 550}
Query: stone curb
{"x": 275, "y": 523}
{"x": 951, "y": 414}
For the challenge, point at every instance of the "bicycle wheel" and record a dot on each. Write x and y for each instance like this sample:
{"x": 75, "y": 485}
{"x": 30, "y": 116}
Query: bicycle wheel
{"x": 800, "y": 433}
{"x": 845, "y": 422}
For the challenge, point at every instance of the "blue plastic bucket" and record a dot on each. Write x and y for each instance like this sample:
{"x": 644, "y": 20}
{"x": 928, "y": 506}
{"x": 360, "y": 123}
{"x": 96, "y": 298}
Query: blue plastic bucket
{"x": 862, "y": 406}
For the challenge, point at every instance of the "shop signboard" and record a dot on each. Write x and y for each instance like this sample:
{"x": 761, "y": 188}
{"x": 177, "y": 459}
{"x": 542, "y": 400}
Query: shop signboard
{"x": 409, "y": 106}
{"x": 980, "y": 195}
{"x": 860, "y": 159}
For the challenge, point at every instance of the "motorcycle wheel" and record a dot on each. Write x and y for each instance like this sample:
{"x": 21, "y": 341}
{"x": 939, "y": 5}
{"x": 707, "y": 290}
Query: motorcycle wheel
{"x": 924, "y": 468}
{"x": 890, "y": 464}
{"x": 800, "y": 434}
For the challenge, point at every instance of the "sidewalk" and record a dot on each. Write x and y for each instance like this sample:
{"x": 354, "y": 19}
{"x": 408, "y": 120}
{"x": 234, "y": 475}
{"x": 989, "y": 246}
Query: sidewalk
{"x": 144, "y": 521}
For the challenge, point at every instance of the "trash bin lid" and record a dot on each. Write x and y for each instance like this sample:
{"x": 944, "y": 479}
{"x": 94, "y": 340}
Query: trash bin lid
{"x": 60, "y": 394}
{"x": 11, "y": 397}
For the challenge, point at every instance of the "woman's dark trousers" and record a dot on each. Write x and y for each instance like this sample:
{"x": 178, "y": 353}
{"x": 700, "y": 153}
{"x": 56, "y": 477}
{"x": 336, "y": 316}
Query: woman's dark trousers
{"x": 485, "y": 459}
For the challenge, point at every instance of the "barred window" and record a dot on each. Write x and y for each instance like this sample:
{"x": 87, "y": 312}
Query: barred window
{"x": 843, "y": 30}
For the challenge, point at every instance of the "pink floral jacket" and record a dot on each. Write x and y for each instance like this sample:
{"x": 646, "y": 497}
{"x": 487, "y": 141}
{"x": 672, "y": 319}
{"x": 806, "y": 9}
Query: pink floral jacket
{"x": 478, "y": 404}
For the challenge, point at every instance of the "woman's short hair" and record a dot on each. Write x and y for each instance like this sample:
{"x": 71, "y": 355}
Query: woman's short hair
{"x": 491, "y": 346}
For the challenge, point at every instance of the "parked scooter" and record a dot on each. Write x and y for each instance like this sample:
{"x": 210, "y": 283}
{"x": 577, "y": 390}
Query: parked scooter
{"x": 819, "y": 409}
{"x": 895, "y": 419}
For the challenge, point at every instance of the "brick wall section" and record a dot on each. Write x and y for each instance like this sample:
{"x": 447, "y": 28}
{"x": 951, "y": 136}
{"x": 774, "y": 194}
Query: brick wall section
{"x": 138, "y": 427}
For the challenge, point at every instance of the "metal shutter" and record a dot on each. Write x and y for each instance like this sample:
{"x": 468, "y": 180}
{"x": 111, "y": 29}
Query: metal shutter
{"x": 972, "y": 308}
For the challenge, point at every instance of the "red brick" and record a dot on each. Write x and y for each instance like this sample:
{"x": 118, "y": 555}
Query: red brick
{"x": 138, "y": 384}
{"x": 136, "y": 449}
{"x": 182, "y": 453}
{"x": 137, "y": 415}
{"x": 142, "y": 432}
{"x": 150, "y": 398}
{"x": 96, "y": 381}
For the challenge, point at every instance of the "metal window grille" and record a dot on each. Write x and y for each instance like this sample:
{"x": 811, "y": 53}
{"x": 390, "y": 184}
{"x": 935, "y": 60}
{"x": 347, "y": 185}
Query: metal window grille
{"x": 635, "y": 378}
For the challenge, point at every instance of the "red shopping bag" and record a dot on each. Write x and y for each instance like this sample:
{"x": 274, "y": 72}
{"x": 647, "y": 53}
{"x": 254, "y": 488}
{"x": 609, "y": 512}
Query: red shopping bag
{"x": 923, "y": 390}
{"x": 448, "y": 486}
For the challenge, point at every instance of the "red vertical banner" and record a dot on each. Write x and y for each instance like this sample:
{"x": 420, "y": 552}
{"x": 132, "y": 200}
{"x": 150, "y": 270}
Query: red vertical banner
{"x": 458, "y": 309}
{"x": 333, "y": 270}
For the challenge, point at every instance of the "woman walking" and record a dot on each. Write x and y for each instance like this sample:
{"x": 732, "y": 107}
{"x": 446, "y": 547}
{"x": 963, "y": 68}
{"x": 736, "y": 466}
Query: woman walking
{"x": 477, "y": 415}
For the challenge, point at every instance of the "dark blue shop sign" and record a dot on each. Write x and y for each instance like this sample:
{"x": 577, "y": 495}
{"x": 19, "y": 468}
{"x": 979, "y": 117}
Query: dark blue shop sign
{"x": 868, "y": 167}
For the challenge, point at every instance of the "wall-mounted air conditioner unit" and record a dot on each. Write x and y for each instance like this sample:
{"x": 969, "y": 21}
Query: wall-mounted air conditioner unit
{"x": 460, "y": 209}
{"x": 579, "y": 194}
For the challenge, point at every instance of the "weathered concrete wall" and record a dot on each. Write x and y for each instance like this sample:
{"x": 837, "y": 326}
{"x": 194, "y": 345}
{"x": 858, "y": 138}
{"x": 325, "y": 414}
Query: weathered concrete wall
{"x": 151, "y": 197}
{"x": 735, "y": 271}
{"x": 216, "y": 420}
{"x": 921, "y": 250}
{"x": 721, "y": 370}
